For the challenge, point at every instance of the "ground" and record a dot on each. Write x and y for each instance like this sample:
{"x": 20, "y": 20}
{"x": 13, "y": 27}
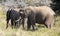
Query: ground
{"x": 42, "y": 30}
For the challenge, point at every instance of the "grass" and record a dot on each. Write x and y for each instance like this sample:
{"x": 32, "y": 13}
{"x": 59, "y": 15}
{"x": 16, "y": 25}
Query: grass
{"x": 42, "y": 30}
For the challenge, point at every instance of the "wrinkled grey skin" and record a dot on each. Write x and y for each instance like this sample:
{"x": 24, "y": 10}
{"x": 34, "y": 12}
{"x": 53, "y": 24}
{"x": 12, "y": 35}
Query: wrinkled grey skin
{"x": 42, "y": 15}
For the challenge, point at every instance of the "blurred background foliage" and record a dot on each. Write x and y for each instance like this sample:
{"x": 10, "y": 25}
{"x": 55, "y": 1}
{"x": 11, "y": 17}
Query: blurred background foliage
{"x": 54, "y": 4}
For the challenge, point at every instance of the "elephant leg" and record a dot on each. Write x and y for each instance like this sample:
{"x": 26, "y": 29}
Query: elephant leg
{"x": 28, "y": 24}
{"x": 12, "y": 23}
{"x": 23, "y": 23}
{"x": 49, "y": 21}
{"x": 32, "y": 22}
{"x": 47, "y": 24}
{"x": 16, "y": 24}
{"x": 7, "y": 24}
{"x": 52, "y": 21}
{"x": 33, "y": 26}
{"x": 19, "y": 22}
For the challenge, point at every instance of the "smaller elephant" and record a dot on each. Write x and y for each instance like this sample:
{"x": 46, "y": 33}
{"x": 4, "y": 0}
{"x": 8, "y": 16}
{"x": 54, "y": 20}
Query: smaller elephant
{"x": 14, "y": 16}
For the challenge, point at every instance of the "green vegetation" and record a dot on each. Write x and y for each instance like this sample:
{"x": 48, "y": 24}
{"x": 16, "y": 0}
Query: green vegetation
{"x": 42, "y": 30}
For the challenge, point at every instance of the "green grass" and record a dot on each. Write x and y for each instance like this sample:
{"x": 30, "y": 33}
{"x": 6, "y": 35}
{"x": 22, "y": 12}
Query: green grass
{"x": 42, "y": 30}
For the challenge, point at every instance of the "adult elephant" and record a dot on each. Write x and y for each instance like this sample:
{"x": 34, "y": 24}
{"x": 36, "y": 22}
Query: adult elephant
{"x": 42, "y": 15}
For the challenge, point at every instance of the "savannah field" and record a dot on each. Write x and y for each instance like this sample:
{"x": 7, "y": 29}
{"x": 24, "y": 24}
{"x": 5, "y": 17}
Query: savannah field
{"x": 42, "y": 30}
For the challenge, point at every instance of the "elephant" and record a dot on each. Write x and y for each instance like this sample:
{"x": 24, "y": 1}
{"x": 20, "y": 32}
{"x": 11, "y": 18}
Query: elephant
{"x": 14, "y": 16}
{"x": 41, "y": 14}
